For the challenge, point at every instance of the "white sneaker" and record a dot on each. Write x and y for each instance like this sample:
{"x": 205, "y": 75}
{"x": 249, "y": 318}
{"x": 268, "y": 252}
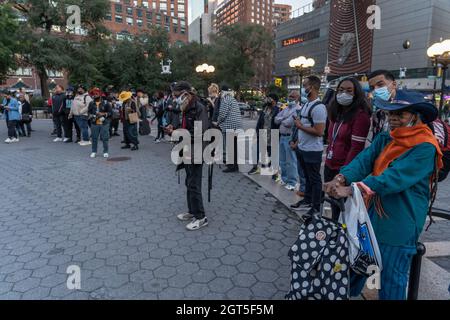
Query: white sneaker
{"x": 197, "y": 224}
{"x": 185, "y": 216}
{"x": 15, "y": 140}
{"x": 85, "y": 143}
{"x": 66, "y": 139}
{"x": 93, "y": 154}
{"x": 8, "y": 140}
{"x": 58, "y": 140}
{"x": 282, "y": 182}
{"x": 105, "y": 155}
{"x": 289, "y": 187}
{"x": 157, "y": 141}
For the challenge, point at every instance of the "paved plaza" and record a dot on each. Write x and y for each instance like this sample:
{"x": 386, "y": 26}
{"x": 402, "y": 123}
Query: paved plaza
{"x": 116, "y": 220}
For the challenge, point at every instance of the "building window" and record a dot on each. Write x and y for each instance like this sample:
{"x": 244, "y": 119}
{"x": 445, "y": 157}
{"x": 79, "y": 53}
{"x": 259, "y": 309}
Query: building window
{"x": 55, "y": 74}
{"x": 119, "y": 19}
{"x": 149, "y": 15}
{"x": 108, "y": 17}
{"x": 24, "y": 72}
{"x": 139, "y": 22}
{"x": 129, "y": 11}
{"x": 129, "y": 21}
{"x": 139, "y": 12}
{"x": 118, "y": 8}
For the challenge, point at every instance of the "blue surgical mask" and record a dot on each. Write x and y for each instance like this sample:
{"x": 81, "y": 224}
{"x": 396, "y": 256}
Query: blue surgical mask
{"x": 382, "y": 93}
{"x": 292, "y": 103}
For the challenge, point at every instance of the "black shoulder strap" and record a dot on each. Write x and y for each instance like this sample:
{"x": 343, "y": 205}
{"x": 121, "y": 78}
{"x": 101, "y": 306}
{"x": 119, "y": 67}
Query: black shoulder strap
{"x": 309, "y": 117}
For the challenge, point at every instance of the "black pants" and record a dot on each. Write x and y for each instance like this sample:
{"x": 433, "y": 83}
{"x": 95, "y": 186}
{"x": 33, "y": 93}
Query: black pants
{"x": 130, "y": 133}
{"x": 25, "y": 124}
{"x": 328, "y": 175}
{"x": 234, "y": 164}
{"x": 59, "y": 122}
{"x": 310, "y": 162}
{"x": 160, "y": 129}
{"x": 68, "y": 128}
{"x": 194, "y": 190}
{"x": 12, "y": 128}
{"x": 114, "y": 127}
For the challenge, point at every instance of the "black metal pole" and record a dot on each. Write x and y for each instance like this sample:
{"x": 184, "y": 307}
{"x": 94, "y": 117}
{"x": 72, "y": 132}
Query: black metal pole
{"x": 414, "y": 275}
{"x": 441, "y": 103}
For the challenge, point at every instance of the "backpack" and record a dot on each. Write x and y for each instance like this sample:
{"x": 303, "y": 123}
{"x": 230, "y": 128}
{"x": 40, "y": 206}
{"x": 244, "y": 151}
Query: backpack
{"x": 320, "y": 262}
{"x": 309, "y": 116}
{"x": 441, "y": 131}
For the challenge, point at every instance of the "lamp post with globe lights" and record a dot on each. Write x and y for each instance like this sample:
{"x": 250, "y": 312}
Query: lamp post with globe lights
{"x": 302, "y": 65}
{"x": 205, "y": 70}
{"x": 439, "y": 53}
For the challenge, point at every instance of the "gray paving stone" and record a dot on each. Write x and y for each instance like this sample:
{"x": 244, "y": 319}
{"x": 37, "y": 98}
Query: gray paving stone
{"x": 220, "y": 285}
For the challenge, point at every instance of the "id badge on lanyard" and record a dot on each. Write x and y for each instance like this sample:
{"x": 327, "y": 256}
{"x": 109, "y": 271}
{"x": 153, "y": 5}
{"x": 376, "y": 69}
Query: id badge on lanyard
{"x": 334, "y": 137}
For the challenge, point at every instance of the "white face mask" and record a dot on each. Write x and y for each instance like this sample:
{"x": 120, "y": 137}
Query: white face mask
{"x": 344, "y": 99}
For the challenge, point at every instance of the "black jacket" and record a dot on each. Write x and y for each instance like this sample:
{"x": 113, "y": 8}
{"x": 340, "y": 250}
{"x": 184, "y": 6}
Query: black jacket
{"x": 260, "y": 122}
{"x": 26, "y": 107}
{"x": 103, "y": 107}
{"x": 58, "y": 104}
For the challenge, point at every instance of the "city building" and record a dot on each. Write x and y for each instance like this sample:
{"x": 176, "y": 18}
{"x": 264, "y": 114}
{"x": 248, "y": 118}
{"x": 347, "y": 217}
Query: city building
{"x": 281, "y": 13}
{"x": 244, "y": 11}
{"x": 133, "y": 17}
{"x": 201, "y": 28}
{"x": 336, "y": 35}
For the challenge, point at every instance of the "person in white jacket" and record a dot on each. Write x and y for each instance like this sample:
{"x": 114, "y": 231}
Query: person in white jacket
{"x": 79, "y": 111}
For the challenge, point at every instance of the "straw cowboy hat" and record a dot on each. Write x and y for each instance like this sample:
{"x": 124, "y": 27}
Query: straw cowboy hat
{"x": 125, "y": 95}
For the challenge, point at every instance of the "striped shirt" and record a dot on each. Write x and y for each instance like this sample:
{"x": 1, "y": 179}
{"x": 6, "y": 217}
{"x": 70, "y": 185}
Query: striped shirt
{"x": 229, "y": 113}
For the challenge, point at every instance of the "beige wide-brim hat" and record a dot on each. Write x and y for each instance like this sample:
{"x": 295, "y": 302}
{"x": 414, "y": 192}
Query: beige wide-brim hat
{"x": 125, "y": 95}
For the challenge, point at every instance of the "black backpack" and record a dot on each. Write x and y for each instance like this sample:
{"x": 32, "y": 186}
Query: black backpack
{"x": 309, "y": 116}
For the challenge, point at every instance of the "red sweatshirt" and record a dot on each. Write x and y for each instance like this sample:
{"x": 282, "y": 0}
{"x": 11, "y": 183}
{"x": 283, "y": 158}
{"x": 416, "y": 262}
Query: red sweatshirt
{"x": 349, "y": 141}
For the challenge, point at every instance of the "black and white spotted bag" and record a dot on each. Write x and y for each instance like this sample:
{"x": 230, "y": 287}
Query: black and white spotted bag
{"x": 320, "y": 262}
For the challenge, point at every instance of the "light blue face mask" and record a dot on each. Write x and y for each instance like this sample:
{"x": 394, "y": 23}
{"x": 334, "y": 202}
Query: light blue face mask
{"x": 292, "y": 103}
{"x": 382, "y": 93}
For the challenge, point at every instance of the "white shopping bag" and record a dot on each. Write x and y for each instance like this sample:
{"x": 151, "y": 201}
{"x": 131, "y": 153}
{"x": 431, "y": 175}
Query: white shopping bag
{"x": 363, "y": 249}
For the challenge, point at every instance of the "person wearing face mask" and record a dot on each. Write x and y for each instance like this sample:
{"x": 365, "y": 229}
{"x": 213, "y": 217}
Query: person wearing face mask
{"x": 11, "y": 114}
{"x": 193, "y": 114}
{"x": 383, "y": 87}
{"x": 349, "y": 124}
{"x": 100, "y": 112}
{"x": 213, "y": 103}
{"x": 79, "y": 111}
{"x": 229, "y": 119}
{"x": 397, "y": 175}
{"x": 172, "y": 112}
{"x": 159, "y": 116}
{"x": 58, "y": 108}
{"x": 130, "y": 130}
{"x": 288, "y": 159}
{"x": 311, "y": 123}
{"x": 266, "y": 121}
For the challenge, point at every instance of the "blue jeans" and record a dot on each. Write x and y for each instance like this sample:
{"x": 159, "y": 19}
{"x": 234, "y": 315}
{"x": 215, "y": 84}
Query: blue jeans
{"x": 288, "y": 162}
{"x": 82, "y": 122}
{"x": 301, "y": 173}
{"x": 395, "y": 274}
{"x": 103, "y": 131}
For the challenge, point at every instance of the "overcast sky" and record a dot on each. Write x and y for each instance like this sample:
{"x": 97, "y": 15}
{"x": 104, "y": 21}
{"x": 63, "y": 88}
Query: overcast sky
{"x": 196, "y": 6}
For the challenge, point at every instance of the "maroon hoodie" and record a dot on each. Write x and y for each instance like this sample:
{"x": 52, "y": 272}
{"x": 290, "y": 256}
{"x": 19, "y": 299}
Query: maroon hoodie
{"x": 349, "y": 141}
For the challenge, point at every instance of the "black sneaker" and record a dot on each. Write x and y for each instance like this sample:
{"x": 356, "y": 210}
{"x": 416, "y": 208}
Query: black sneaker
{"x": 254, "y": 170}
{"x": 302, "y": 205}
{"x": 134, "y": 148}
{"x": 126, "y": 147}
{"x": 310, "y": 213}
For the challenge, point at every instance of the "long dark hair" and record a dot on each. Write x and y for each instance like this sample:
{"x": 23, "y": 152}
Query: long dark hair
{"x": 336, "y": 111}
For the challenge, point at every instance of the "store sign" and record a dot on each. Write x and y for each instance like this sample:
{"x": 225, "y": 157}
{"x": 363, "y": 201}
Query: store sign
{"x": 301, "y": 38}
{"x": 279, "y": 82}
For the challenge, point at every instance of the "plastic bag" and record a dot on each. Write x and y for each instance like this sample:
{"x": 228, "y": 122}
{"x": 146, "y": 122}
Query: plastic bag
{"x": 363, "y": 248}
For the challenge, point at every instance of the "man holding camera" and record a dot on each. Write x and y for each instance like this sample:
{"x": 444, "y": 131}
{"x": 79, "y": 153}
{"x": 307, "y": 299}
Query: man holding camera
{"x": 192, "y": 113}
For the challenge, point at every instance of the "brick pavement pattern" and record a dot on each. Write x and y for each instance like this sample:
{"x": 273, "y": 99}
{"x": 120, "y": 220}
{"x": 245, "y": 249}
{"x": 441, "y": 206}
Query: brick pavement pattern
{"x": 117, "y": 222}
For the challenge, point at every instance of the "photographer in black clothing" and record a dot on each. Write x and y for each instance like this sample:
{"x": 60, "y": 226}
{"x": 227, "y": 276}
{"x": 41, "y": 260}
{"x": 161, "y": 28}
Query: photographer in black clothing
{"x": 192, "y": 113}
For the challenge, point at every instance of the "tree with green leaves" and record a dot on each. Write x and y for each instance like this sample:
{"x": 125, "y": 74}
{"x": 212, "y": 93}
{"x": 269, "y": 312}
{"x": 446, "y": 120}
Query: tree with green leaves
{"x": 46, "y": 41}
{"x": 237, "y": 49}
{"x": 8, "y": 41}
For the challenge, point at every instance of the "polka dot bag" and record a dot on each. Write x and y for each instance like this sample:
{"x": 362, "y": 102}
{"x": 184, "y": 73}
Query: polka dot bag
{"x": 320, "y": 262}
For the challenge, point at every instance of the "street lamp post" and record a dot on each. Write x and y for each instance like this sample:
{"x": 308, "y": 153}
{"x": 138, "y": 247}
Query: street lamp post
{"x": 204, "y": 70}
{"x": 301, "y": 66}
{"x": 439, "y": 53}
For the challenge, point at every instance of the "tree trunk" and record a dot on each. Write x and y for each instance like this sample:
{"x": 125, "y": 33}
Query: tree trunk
{"x": 43, "y": 77}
